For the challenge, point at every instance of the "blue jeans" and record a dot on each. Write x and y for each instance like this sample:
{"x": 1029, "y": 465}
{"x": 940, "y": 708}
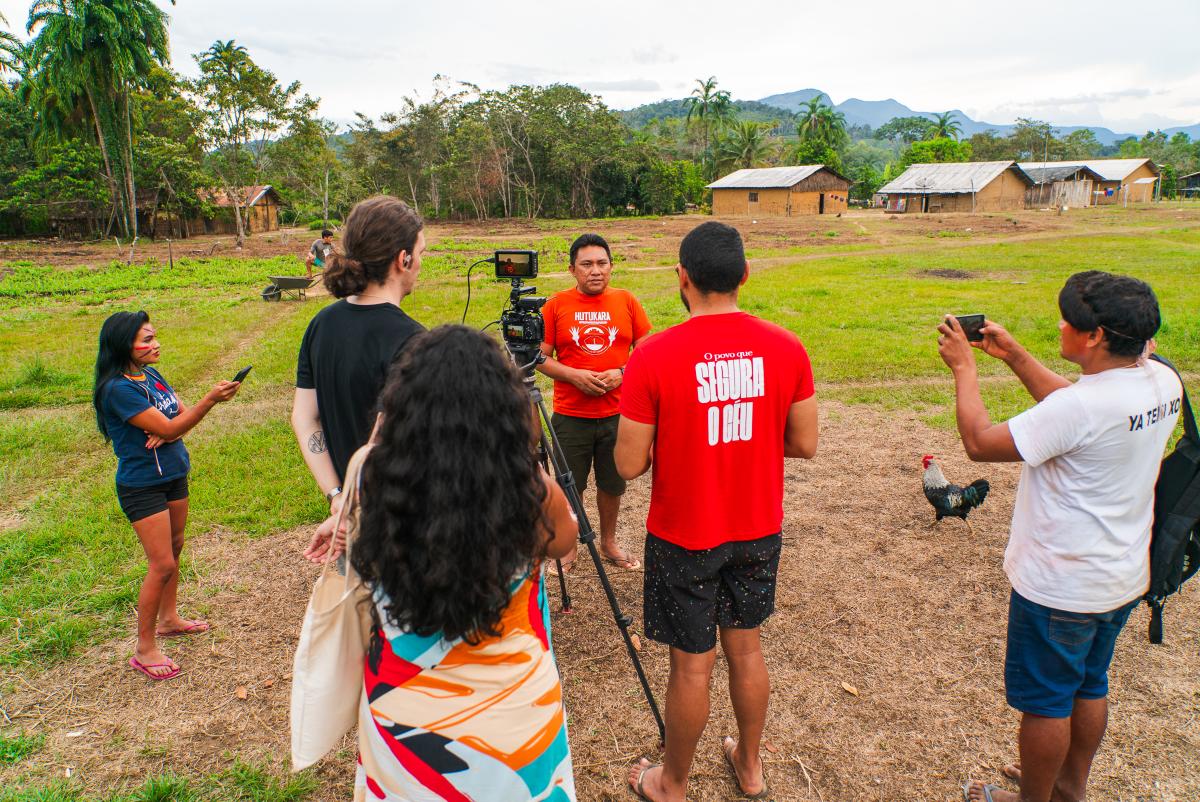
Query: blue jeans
{"x": 1055, "y": 657}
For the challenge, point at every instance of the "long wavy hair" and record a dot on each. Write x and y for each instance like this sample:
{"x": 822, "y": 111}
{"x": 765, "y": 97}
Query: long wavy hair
{"x": 114, "y": 356}
{"x": 452, "y": 496}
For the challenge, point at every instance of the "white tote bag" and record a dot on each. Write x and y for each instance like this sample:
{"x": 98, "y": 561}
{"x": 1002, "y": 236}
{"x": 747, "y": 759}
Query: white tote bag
{"x": 327, "y": 675}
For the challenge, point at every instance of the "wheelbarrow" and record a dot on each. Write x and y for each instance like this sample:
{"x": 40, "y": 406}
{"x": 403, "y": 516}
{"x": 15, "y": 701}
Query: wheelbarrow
{"x": 291, "y": 286}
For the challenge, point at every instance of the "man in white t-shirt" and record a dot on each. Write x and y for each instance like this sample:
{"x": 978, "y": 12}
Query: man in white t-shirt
{"x": 1078, "y": 554}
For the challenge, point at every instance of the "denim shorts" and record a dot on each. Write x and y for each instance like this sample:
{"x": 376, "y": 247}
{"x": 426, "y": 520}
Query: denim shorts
{"x": 1055, "y": 657}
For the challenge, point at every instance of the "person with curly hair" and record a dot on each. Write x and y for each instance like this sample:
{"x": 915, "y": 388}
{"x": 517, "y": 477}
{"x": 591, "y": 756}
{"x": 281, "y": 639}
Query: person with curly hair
{"x": 462, "y": 698}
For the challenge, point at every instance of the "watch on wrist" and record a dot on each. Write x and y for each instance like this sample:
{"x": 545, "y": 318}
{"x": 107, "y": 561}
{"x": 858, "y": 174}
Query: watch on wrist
{"x": 332, "y": 494}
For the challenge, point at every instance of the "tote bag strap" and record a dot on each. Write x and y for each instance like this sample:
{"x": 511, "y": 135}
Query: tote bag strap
{"x": 349, "y": 507}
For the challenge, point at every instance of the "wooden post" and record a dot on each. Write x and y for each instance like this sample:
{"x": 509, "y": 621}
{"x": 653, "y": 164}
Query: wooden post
{"x": 170, "y": 254}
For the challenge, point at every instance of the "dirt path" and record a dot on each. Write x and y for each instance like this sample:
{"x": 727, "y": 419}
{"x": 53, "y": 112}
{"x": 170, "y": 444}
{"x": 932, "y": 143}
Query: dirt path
{"x": 912, "y": 618}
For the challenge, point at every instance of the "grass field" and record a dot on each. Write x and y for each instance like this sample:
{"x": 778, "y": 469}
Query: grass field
{"x": 864, "y": 294}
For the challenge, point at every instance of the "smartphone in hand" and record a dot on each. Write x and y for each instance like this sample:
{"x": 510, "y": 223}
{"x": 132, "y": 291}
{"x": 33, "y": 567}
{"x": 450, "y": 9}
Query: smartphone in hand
{"x": 971, "y": 325}
{"x": 241, "y": 374}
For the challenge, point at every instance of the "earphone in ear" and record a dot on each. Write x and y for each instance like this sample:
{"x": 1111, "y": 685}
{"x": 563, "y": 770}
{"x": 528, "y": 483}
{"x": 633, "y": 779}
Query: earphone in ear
{"x": 407, "y": 259}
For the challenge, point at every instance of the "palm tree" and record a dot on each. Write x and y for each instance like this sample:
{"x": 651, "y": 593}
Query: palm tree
{"x": 99, "y": 51}
{"x": 748, "y": 144}
{"x": 10, "y": 49}
{"x": 944, "y": 125}
{"x": 817, "y": 121}
{"x": 708, "y": 105}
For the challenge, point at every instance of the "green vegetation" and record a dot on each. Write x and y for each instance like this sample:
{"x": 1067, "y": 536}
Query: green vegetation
{"x": 242, "y": 782}
{"x": 15, "y": 748}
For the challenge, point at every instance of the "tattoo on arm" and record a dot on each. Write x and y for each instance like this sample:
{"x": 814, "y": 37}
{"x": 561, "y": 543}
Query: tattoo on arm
{"x": 316, "y": 443}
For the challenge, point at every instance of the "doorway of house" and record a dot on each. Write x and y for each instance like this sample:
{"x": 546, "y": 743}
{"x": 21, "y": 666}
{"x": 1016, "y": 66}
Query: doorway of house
{"x": 821, "y": 204}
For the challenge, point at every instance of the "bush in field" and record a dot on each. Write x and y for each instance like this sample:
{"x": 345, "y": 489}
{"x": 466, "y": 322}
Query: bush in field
{"x": 317, "y": 225}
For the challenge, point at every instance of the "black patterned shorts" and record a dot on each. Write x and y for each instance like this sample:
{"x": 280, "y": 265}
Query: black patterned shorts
{"x": 689, "y": 594}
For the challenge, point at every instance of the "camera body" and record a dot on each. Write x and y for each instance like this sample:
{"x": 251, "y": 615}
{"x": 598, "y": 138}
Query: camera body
{"x": 521, "y": 322}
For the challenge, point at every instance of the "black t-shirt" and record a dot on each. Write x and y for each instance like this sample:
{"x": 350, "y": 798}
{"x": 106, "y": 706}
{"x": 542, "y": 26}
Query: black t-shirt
{"x": 345, "y": 356}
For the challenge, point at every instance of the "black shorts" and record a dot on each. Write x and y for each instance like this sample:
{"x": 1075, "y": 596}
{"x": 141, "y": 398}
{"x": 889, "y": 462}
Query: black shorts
{"x": 588, "y": 443}
{"x": 689, "y": 594}
{"x": 142, "y": 502}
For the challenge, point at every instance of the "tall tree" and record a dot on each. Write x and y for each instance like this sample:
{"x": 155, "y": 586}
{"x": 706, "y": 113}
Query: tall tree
{"x": 904, "y": 129}
{"x": 747, "y": 144}
{"x": 944, "y": 125}
{"x": 244, "y": 106}
{"x": 709, "y": 109}
{"x": 10, "y": 49}
{"x": 101, "y": 50}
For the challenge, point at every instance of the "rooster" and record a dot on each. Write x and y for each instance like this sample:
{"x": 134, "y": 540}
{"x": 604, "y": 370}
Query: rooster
{"x": 948, "y": 499}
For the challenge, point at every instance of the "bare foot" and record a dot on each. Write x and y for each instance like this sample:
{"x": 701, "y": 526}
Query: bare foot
{"x": 1012, "y": 771}
{"x": 998, "y": 795}
{"x": 154, "y": 661}
{"x": 744, "y": 768}
{"x": 645, "y": 778}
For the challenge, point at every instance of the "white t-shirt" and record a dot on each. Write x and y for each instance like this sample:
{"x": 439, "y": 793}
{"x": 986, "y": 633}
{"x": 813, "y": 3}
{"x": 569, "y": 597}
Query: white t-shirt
{"x": 1080, "y": 538}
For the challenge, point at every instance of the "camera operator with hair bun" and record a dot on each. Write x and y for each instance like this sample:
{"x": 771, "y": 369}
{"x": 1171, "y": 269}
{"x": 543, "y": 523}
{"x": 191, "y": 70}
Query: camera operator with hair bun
{"x": 350, "y": 345}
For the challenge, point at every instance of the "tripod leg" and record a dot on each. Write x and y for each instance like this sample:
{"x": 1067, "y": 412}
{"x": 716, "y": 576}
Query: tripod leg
{"x": 562, "y": 587}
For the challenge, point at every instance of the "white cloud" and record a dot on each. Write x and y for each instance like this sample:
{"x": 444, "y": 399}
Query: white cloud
{"x": 365, "y": 55}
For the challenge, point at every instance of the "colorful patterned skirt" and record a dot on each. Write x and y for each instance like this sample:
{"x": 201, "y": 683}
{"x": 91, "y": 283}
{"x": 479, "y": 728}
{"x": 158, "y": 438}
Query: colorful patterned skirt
{"x": 445, "y": 720}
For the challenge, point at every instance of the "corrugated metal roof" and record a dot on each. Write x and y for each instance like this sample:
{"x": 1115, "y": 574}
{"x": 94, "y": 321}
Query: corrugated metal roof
{"x": 1189, "y": 175}
{"x": 1048, "y": 175}
{"x": 766, "y": 177}
{"x": 1107, "y": 169}
{"x": 949, "y": 178}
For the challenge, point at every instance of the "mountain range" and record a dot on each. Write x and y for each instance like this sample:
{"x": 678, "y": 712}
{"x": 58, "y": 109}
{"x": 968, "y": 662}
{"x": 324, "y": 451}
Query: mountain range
{"x": 877, "y": 112}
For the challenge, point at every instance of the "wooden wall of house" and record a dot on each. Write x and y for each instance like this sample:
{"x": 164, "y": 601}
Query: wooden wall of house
{"x": 823, "y": 181}
{"x": 1140, "y": 193}
{"x": 1075, "y": 194}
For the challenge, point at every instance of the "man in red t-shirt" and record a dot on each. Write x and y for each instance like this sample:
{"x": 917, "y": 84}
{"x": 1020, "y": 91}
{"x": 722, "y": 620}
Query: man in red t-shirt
{"x": 715, "y": 404}
{"x": 590, "y": 330}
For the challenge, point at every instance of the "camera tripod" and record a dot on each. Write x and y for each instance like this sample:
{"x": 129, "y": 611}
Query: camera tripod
{"x": 527, "y": 360}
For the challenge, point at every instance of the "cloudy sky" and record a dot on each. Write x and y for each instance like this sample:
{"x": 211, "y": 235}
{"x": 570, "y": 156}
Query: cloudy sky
{"x": 1098, "y": 62}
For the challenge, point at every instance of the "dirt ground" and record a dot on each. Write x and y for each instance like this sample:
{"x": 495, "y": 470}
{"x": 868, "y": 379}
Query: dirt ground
{"x": 641, "y": 241}
{"x": 886, "y": 655}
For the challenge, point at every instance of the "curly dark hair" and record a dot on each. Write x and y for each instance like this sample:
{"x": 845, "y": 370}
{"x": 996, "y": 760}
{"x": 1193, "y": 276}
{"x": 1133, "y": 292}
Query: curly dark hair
{"x": 1125, "y": 308}
{"x": 452, "y": 496}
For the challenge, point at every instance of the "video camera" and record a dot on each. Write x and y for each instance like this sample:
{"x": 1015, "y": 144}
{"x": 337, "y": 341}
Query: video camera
{"x": 521, "y": 321}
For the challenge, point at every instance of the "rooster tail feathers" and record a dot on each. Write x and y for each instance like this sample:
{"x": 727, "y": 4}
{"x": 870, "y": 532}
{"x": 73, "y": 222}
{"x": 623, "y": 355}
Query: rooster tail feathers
{"x": 976, "y": 492}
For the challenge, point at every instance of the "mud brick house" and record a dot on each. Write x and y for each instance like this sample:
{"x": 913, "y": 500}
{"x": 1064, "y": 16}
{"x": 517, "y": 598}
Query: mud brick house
{"x": 1070, "y": 185}
{"x": 780, "y": 192}
{"x": 1121, "y": 180}
{"x": 958, "y": 187}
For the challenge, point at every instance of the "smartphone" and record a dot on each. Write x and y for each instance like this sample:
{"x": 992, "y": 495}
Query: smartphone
{"x": 241, "y": 374}
{"x": 971, "y": 325}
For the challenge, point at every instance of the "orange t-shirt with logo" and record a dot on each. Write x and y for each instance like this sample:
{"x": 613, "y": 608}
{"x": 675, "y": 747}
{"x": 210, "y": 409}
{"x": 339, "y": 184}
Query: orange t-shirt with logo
{"x": 592, "y": 332}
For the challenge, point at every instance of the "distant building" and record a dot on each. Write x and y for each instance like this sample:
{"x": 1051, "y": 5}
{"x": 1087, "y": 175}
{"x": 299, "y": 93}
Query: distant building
{"x": 1188, "y": 185}
{"x": 958, "y": 187}
{"x": 1121, "y": 180}
{"x": 261, "y": 204}
{"x": 1070, "y": 185}
{"x": 781, "y": 192}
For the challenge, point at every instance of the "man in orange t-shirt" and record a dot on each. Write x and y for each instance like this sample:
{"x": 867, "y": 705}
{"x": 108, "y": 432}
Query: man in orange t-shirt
{"x": 590, "y": 331}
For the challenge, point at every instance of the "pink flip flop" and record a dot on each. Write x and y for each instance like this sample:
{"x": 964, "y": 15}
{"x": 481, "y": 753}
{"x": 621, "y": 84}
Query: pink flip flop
{"x": 137, "y": 665}
{"x": 193, "y": 628}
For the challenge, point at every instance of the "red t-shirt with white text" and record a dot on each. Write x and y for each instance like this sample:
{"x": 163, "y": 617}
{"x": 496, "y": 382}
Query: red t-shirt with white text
{"x": 718, "y": 388}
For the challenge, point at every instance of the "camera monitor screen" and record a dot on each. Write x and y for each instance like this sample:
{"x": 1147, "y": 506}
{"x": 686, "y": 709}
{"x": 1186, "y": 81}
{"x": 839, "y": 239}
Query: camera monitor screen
{"x": 516, "y": 264}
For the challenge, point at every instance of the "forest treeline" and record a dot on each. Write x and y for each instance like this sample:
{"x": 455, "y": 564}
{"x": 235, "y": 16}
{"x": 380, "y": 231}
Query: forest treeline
{"x": 96, "y": 126}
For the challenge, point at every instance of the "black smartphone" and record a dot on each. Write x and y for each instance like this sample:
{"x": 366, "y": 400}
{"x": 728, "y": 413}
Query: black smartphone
{"x": 971, "y": 325}
{"x": 241, "y": 374}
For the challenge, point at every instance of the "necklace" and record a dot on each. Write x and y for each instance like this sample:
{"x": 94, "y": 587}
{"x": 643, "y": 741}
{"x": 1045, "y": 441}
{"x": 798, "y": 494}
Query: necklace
{"x": 380, "y": 297}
